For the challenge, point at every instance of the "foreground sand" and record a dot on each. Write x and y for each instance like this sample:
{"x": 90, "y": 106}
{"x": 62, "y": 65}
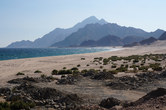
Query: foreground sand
{"x": 9, "y": 68}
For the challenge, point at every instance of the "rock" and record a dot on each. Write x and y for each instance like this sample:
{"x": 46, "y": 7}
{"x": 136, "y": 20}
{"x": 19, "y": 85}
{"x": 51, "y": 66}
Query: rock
{"x": 70, "y": 79}
{"x": 155, "y": 99}
{"x": 109, "y": 103}
{"x": 103, "y": 76}
{"x": 31, "y": 80}
{"x": 151, "y": 95}
{"x": 5, "y": 91}
{"x": 127, "y": 82}
{"x": 70, "y": 99}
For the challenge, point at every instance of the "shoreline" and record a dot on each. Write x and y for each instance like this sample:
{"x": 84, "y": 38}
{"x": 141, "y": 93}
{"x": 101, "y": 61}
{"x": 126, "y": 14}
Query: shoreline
{"x": 9, "y": 68}
{"x": 107, "y": 49}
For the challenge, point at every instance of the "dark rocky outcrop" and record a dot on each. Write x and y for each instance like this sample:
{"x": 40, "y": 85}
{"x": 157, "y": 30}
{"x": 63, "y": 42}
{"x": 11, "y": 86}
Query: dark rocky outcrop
{"x": 5, "y": 91}
{"x": 151, "y": 95}
{"x": 127, "y": 82}
{"x": 31, "y": 80}
{"x": 70, "y": 79}
{"x": 109, "y": 102}
{"x": 103, "y": 76}
{"x": 154, "y": 100}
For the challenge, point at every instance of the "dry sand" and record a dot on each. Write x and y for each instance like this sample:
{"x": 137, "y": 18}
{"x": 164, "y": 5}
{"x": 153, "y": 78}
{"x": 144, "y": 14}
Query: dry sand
{"x": 9, "y": 68}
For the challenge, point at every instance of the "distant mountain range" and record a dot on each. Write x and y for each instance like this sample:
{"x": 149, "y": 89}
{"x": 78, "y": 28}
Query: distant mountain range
{"x": 147, "y": 41}
{"x": 55, "y": 36}
{"x": 91, "y": 31}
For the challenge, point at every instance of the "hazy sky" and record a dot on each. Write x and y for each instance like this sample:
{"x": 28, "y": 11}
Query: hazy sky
{"x": 31, "y": 19}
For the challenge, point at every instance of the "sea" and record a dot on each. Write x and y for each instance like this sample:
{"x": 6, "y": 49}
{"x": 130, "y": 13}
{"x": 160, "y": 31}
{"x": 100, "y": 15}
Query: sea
{"x": 19, "y": 53}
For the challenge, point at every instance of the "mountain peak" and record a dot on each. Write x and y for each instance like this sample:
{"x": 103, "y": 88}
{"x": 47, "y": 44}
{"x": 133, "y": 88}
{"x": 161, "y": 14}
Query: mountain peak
{"x": 91, "y": 19}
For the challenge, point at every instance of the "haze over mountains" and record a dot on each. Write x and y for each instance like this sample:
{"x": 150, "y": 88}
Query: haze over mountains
{"x": 92, "y": 30}
{"x": 56, "y": 35}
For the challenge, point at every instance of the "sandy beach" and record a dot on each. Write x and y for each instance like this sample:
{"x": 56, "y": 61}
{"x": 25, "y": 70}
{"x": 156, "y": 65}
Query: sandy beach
{"x": 127, "y": 86}
{"x": 9, "y": 68}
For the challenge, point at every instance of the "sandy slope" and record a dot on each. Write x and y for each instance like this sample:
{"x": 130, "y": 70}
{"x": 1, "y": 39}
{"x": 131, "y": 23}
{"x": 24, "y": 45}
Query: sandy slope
{"x": 9, "y": 68}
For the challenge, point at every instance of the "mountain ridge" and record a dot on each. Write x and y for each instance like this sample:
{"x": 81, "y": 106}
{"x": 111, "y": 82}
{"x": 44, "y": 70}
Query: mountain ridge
{"x": 55, "y": 35}
{"x": 97, "y": 31}
{"x": 89, "y": 29}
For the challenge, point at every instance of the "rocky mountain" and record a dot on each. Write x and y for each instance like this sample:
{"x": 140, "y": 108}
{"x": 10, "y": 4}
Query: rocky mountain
{"x": 22, "y": 44}
{"x": 56, "y": 35}
{"x": 148, "y": 41}
{"x": 163, "y": 36}
{"x": 108, "y": 40}
{"x": 97, "y": 31}
{"x": 143, "y": 42}
{"x": 132, "y": 39}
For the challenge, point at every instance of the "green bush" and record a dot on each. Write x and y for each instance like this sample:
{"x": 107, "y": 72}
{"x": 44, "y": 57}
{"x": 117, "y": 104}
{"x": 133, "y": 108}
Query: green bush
{"x": 54, "y": 72}
{"x": 20, "y": 73}
{"x": 156, "y": 67}
{"x": 17, "y": 105}
{"x": 122, "y": 69}
{"x": 74, "y": 68}
{"x": 84, "y": 71}
{"x": 105, "y": 61}
{"x": 61, "y": 72}
{"x": 82, "y": 58}
{"x": 38, "y": 71}
{"x": 143, "y": 68}
{"x": 64, "y": 68}
{"x": 43, "y": 76}
{"x": 78, "y": 65}
{"x": 114, "y": 58}
{"x": 113, "y": 72}
{"x": 113, "y": 66}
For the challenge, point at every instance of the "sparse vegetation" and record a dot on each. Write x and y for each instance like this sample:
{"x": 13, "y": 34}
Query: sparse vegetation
{"x": 82, "y": 58}
{"x": 54, "y": 72}
{"x": 78, "y": 65}
{"x": 38, "y": 71}
{"x": 20, "y": 73}
{"x": 74, "y": 68}
{"x": 61, "y": 72}
{"x": 17, "y": 105}
{"x": 43, "y": 76}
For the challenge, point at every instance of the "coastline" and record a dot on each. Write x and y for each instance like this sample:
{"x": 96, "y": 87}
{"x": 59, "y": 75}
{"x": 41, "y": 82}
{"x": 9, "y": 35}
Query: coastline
{"x": 9, "y": 68}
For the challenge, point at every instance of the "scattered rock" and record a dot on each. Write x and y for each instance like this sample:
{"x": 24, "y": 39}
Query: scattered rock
{"x": 154, "y": 100}
{"x": 4, "y": 91}
{"x": 127, "y": 82}
{"x": 109, "y": 103}
{"x": 103, "y": 76}
{"x": 31, "y": 80}
{"x": 70, "y": 79}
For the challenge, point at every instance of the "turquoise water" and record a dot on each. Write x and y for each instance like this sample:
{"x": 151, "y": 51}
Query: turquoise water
{"x": 18, "y": 53}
